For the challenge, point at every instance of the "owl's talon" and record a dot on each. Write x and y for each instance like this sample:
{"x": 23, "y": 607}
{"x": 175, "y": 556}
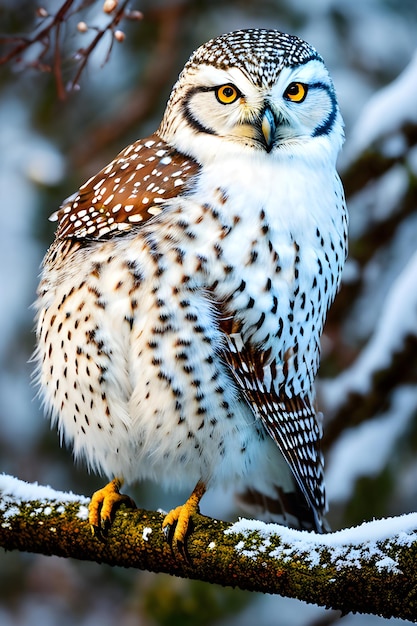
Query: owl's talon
{"x": 103, "y": 505}
{"x": 105, "y": 526}
{"x": 176, "y": 544}
{"x": 167, "y": 530}
{"x": 98, "y": 533}
{"x": 177, "y": 522}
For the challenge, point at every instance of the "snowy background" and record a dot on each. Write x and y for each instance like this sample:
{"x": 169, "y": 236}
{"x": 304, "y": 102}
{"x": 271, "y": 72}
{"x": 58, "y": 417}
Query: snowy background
{"x": 367, "y": 386}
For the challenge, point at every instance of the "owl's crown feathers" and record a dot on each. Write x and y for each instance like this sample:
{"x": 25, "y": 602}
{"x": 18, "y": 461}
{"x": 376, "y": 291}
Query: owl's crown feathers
{"x": 260, "y": 53}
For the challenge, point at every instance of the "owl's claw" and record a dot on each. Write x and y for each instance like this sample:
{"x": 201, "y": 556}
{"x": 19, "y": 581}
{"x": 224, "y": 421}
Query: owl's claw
{"x": 177, "y": 522}
{"x": 103, "y": 505}
{"x": 177, "y": 545}
{"x": 168, "y": 530}
{"x": 176, "y": 526}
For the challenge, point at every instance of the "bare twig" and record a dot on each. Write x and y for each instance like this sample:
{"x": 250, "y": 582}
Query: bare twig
{"x": 85, "y": 53}
{"x": 49, "y": 34}
{"x": 41, "y": 36}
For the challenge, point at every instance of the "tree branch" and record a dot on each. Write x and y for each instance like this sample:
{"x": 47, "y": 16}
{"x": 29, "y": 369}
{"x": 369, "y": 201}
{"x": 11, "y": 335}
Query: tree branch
{"x": 48, "y": 33}
{"x": 368, "y": 569}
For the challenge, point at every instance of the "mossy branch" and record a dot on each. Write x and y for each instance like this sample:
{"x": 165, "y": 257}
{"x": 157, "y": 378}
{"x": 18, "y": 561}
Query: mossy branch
{"x": 370, "y": 569}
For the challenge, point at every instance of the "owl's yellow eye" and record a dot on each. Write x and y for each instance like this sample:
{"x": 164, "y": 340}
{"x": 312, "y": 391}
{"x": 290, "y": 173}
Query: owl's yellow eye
{"x": 226, "y": 94}
{"x": 296, "y": 92}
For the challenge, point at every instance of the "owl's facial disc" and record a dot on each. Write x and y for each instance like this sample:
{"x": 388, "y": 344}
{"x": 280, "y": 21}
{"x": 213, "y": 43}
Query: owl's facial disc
{"x": 298, "y": 106}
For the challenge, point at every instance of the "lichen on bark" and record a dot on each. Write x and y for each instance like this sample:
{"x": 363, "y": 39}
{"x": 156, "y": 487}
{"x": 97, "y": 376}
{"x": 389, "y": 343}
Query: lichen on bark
{"x": 339, "y": 570}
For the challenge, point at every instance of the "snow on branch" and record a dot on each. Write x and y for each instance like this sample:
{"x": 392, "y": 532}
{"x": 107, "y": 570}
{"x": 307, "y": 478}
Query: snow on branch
{"x": 367, "y": 569}
{"x": 384, "y": 115}
{"x": 397, "y": 321}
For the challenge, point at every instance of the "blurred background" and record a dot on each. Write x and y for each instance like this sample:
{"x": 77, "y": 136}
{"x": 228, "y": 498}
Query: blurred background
{"x": 53, "y": 137}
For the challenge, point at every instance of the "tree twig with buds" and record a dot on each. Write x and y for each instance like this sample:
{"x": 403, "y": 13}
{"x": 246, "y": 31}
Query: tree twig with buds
{"x": 49, "y": 34}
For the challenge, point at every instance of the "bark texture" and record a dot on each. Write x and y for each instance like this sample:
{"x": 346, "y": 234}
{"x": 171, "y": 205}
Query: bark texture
{"x": 377, "y": 577}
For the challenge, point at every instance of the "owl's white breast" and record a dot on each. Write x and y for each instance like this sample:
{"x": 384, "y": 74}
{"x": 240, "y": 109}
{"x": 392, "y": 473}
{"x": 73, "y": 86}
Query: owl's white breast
{"x": 280, "y": 223}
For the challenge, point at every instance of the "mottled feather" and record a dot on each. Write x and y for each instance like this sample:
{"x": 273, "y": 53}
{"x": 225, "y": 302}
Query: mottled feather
{"x": 293, "y": 423}
{"x": 127, "y": 192}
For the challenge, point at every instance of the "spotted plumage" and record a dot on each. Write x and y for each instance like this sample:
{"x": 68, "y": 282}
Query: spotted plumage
{"x": 182, "y": 302}
{"x": 129, "y": 190}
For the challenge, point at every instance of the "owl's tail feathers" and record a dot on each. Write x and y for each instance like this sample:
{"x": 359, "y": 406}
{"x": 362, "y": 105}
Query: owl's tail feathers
{"x": 286, "y": 508}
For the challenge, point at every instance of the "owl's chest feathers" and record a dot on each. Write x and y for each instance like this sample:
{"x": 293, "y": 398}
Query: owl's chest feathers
{"x": 264, "y": 248}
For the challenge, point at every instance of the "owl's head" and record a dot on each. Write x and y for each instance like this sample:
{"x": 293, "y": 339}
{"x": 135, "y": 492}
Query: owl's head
{"x": 253, "y": 89}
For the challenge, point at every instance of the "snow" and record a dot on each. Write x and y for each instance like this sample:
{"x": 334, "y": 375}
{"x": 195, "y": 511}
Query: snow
{"x": 146, "y": 532}
{"x": 402, "y": 528}
{"x": 386, "y": 112}
{"x": 389, "y": 192}
{"x": 378, "y": 201}
{"x": 369, "y": 444}
{"x": 13, "y": 492}
{"x": 397, "y": 319}
{"x": 346, "y": 548}
{"x": 29, "y": 492}
{"x": 377, "y": 278}
{"x": 386, "y": 563}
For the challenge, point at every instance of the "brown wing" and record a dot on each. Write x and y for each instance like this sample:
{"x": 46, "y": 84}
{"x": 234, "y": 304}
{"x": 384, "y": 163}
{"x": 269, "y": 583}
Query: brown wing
{"x": 291, "y": 422}
{"x": 128, "y": 191}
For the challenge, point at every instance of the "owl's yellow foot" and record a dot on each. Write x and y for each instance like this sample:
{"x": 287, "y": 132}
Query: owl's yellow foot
{"x": 103, "y": 504}
{"x": 181, "y": 516}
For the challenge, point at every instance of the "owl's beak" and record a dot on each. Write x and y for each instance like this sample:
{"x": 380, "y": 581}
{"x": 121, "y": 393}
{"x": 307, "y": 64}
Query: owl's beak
{"x": 268, "y": 127}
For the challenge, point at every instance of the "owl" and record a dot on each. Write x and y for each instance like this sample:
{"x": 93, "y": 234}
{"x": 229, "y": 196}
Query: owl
{"x": 181, "y": 304}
